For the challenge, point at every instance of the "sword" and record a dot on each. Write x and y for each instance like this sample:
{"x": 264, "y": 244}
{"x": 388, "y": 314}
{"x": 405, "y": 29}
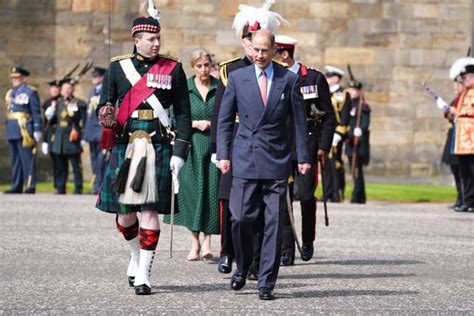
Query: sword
{"x": 292, "y": 219}
{"x": 326, "y": 218}
{"x": 174, "y": 190}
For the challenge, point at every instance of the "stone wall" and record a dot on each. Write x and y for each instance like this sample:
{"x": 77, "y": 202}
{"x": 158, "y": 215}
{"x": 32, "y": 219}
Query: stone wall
{"x": 392, "y": 46}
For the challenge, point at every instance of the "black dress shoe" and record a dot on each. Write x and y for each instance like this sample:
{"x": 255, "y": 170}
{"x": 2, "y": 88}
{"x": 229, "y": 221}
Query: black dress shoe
{"x": 237, "y": 281}
{"x": 225, "y": 265}
{"x": 30, "y": 191}
{"x": 142, "y": 289}
{"x": 13, "y": 191}
{"x": 462, "y": 208}
{"x": 307, "y": 251}
{"x": 131, "y": 281}
{"x": 253, "y": 273}
{"x": 287, "y": 259}
{"x": 470, "y": 209}
{"x": 266, "y": 294}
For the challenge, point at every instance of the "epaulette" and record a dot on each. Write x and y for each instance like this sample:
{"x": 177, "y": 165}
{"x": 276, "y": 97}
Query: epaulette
{"x": 170, "y": 57}
{"x": 228, "y": 61}
{"x": 121, "y": 57}
{"x": 281, "y": 63}
{"x": 34, "y": 88}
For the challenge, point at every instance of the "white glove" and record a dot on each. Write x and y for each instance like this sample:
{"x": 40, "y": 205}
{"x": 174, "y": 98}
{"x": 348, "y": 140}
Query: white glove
{"x": 49, "y": 112}
{"x": 83, "y": 143}
{"x": 357, "y": 132}
{"x": 37, "y": 136}
{"x": 336, "y": 139}
{"x": 214, "y": 159}
{"x": 176, "y": 163}
{"x": 441, "y": 104}
{"x": 44, "y": 148}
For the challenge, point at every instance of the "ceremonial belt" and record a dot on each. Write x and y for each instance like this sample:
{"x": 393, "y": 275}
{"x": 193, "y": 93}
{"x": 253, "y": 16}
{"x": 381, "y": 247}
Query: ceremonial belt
{"x": 141, "y": 92}
{"x": 21, "y": 118}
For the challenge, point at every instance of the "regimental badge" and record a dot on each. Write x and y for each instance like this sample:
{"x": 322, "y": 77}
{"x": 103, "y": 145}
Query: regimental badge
{"x": 158, "y": 81}
{"x": 310, "y": 92}
{"x": 22, "y": 98}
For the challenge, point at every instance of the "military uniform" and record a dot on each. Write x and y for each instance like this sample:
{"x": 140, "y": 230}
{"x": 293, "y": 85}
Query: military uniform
{"x": 92, "y": 135}
{"x": 334, "y": 175}
{"x": 321, "y": 124}
{"x": 48, "y": 137}
{"x": 452, "y": 160}
{"x": 464, "y": 145}
{"x": 23, "y": 121}
{"x": 176, "y": 97}
{"x": 66, "y": 142}
{"x": 359, "y": 145}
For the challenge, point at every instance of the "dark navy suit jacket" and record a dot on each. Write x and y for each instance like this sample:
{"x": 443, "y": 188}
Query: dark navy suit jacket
{"x": 261, "y": 148}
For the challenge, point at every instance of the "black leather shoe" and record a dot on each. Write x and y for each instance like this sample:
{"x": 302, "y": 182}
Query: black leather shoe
{"x": 225, "y": 265}
{"x": 470, "y": 209}
{"x": 287, "y": 259}
{"x": 131, "y": 281}
{"x": 307, "y": 251}
{"x": 13, "y": 191}
{"x": 237, "y": 281}
{"x": 462, "y": 208}
{"x": 266, "y": 294}
{"x": 142, "y": 289}
{"x": 253, "y": 273}
{"x": 30, "y": 191}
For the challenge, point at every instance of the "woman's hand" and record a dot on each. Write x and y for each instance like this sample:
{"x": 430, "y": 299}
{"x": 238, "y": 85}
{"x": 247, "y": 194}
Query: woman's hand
{"x": 202, "y": 125}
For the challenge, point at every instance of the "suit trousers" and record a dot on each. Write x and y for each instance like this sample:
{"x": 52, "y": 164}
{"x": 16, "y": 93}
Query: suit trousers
{"x": 23, "y": 165}
{"x": 246, "y": 199}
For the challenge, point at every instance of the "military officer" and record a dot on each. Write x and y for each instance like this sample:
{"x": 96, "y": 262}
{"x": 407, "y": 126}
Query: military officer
{"x": 248, "y": 20}
{"x": 23, "y": 130}
{"x": 334, "y": 175}
{"x": 357, "y": 146}
{"x": 321, "y": 124}
{"x": 464, "y": 133}
{"x": 93, "y": 130}
{"x": 49, "y": 128}
{"x": 143, "y": 86}
{"x": 68, "y": 116}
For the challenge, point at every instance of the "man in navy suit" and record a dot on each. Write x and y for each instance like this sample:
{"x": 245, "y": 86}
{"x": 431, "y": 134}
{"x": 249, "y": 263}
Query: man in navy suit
{"x": 264, "y": 95}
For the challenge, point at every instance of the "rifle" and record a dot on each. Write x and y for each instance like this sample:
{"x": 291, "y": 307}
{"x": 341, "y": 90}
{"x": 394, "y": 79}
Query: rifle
{"x": 354, "y": 171}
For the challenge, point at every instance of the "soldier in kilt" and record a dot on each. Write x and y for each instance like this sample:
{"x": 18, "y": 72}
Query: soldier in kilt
{"x": 138, "y": 91}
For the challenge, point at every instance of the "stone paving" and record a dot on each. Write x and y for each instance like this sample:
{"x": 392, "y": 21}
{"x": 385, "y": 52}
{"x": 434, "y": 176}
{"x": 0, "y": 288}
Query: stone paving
{"x": 59, "y": 255}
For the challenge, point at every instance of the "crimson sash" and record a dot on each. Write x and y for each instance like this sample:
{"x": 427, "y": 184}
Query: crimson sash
{"x": 140, "y": 91}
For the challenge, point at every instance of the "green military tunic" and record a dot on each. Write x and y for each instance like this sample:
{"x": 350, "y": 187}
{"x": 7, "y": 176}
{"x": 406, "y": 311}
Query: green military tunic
{"x": 197, "y": 198}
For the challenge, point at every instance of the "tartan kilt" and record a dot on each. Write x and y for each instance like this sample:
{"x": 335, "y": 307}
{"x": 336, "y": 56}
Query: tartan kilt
{"x": 107, "y": 200}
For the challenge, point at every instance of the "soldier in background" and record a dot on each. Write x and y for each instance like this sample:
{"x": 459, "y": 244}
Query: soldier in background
{"x": 448, "y": 157}
{"x": 334, "y": 175}
{"x": 49, "y": 128}
{"x": 357, "y": 145}
{"x": 93, "y": 130}
{"x": 23, "y": 129}
{"x": 464, "y": 131}
{"x": 321, "y": 124}
{"x": 68, "y": 116}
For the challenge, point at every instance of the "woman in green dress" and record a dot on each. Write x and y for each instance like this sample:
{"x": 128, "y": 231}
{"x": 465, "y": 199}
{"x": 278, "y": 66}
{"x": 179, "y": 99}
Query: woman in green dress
{"x": 197, "y": 197}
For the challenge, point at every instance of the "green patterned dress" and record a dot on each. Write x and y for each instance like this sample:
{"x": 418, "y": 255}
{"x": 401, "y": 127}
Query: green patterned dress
{"x": 198, "y": 180}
